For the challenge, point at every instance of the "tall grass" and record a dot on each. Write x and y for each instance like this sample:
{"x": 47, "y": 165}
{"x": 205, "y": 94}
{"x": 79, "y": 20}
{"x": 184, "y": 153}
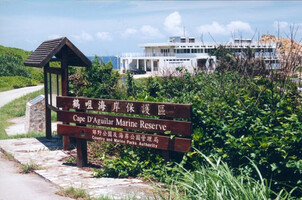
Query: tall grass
{"x": 217, "y": 181}
{"x": 13, "y": 109}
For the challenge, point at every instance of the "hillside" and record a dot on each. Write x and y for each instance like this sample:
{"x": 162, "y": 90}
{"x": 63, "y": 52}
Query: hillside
{"x": 13, "y": 73}
{"x": 14, "y": 52}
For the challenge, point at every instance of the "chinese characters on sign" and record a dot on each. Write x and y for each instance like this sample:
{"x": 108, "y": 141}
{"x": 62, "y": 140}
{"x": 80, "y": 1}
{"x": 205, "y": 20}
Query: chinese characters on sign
{"x": 125, "y": 138}
{"x": 117, "y": 106}
{"x": 76, "y": 103}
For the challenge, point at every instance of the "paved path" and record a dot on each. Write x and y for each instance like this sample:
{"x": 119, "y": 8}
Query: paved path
{"x": 47, "y": 154}
{"x": 14, "y": 185}
{"x": 8, "y": 96}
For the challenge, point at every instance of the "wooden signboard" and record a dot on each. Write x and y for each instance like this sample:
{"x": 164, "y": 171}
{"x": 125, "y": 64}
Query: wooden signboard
{"x": 124, "y": 137}
{"x": 133, "y": 123}
{"x": 131, "y": 107}
{"x": 110, "y": 124}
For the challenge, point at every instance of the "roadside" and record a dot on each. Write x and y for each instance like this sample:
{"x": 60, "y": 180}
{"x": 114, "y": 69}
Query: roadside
{"x": 14, "y": 185}
{"x": 8, "y": 96}
{"x": 46, "y": 154}
{"x": 16, "y": 107}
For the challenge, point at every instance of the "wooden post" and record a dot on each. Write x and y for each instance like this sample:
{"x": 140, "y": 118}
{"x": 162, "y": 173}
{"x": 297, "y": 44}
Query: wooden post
{"x": 64, "y": 75}
{"x": 166, "y": 155}
{"x": 81, "y": 152}
{"x": 47, "y": 110}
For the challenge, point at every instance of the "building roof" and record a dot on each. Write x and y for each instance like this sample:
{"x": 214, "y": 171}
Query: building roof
{"x": 55, "y": 48}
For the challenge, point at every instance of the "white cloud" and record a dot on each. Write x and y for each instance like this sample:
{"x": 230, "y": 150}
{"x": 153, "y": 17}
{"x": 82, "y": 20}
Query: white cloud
{"x": 54, "y": 36}
{"x": 217, "y": 29}
{"x": 103, "y": 36}
{"x": 173, "y": 23}
{"x": 84, "y": 36}
{"x": 282, "y": 25}
{"x": 214, "y": 28}
{"x": 128, "y": 32}
{"x": 238, "y": 26}
{"x": 148, "y": 31}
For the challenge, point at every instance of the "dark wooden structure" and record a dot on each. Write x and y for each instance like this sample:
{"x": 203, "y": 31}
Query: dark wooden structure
{"x": 56, "y": 78}
{"x": 109, "y": 125}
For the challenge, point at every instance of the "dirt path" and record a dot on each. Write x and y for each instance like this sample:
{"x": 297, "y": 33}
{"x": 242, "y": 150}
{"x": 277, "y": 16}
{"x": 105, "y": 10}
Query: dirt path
{"x": 8, "y": 96}
{"x": 14, "y": 185}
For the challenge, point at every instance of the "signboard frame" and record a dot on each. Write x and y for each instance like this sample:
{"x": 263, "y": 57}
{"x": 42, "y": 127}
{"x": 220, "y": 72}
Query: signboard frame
{"x": 145, "y": 124}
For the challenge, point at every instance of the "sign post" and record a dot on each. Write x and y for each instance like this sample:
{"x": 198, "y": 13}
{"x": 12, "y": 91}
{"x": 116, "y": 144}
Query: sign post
{"x": 142, "y": 128}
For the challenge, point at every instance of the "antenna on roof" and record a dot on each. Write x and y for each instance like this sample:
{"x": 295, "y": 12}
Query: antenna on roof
{"x": 254, "y": 34}
{"x": 212, "y": 38}
{"x": 184, "y": 31}
{"x": 278, "y": 30}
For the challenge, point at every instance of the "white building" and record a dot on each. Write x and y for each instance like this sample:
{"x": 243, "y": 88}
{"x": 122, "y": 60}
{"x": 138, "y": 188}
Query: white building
{"x": 190, "y": 54}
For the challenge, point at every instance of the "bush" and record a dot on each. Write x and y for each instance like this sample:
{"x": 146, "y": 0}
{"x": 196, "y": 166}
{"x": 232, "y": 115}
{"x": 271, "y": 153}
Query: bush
{"x": 131, "y": 162}
{"x": 11, "y": 82}
{"x": 36, "y": 74}
{"x": 97, "y": 81}
{"x": 235, "y": 117}
{"x": 12, "y": 66}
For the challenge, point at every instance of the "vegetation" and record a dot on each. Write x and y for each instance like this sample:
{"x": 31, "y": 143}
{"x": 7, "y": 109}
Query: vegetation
{"x": 10, "y": 51}
{"x": 215, "y": 180}
{"x": 13, "y": 73}
{"x": 12, "y": 66}
{"x": 29, "y": 167}
{"x": 246, "y": 120}
{"x": 75, "y": 193}
{"x": 13, "y": 109}
{"x": 13, "y": 82}
{"x": 81, "y": 194}
{"x": 96, "y": 81}
{"x": 240, "y": 115}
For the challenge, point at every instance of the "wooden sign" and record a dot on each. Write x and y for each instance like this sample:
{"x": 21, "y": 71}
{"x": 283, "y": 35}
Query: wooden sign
{"x": 130, "y": 107}
{"x": 129, "y": 138}
{"x": 110, "y": 116}
{"x": 133, "y": 123}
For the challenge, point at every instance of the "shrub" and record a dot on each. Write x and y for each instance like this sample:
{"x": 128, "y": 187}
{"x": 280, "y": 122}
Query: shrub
{"x": 12, "y": 66}
{"x": 235, "y": 116}
{"x": 131, "y": 162}
{"x": 11, "y": 82}
{"x": 36, "y": 74}
{"x": 99, "y": 81}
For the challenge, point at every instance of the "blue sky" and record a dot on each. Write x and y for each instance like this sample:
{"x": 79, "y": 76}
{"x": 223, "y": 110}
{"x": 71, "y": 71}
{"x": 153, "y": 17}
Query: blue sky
{"x": 115, "y": 27}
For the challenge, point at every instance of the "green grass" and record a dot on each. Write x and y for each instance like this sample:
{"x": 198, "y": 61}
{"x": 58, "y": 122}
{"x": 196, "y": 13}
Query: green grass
{"x": 217, "y": 181}
{"x": 29, "y": 167}
{"x": 13, "y": 109}
{"x": 75, "y": 193}
{"x": 12, "y": 82}
{"x": 81, "y": 194}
